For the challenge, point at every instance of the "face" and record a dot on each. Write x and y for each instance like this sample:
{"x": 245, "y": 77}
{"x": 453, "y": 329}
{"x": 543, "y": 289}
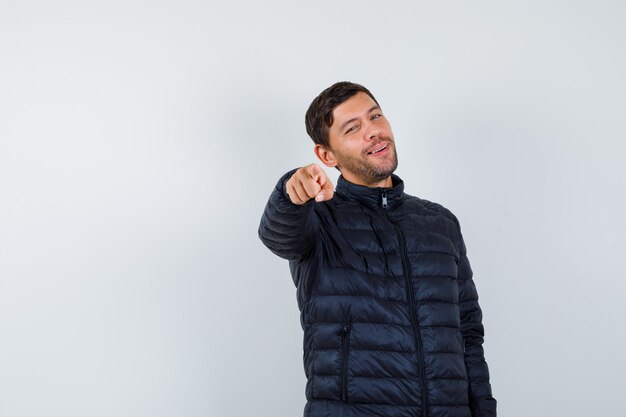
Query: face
{"x": 361, "y": 143}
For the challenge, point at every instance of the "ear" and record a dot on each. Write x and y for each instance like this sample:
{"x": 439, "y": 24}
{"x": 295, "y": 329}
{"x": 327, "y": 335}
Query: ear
{"x": 325, "y": 155}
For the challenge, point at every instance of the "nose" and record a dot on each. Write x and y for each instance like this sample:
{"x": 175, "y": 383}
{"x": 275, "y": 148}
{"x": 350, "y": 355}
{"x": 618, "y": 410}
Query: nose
{"x": 373, "y": 134}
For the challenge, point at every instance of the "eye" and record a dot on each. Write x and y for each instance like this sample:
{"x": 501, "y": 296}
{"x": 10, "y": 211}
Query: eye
{"x": 352, "y": 128}
{"x": 376, "y": 116}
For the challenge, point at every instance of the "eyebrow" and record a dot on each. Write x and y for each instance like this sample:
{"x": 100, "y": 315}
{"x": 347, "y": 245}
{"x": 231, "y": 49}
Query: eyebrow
{"x": 343, "y": 126}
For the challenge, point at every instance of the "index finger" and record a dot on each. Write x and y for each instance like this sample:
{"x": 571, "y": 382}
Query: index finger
{"x": 315, "y": 171}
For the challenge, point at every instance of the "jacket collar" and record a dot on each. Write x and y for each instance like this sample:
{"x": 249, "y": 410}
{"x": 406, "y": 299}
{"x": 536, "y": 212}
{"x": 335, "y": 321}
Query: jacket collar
{"x": 372, "y": 196}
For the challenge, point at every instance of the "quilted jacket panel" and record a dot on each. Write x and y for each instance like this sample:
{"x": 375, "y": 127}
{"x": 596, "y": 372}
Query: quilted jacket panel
{"x": 390, "y": 313}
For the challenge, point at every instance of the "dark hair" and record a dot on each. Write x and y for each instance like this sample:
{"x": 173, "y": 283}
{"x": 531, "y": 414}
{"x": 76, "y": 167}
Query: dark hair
{"x": 319, "y": 116}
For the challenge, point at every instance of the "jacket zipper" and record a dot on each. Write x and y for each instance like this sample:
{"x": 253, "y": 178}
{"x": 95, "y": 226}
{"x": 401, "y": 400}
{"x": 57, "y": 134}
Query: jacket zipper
{"x": 411, "y": 302}
{"x": 345, "y": 351}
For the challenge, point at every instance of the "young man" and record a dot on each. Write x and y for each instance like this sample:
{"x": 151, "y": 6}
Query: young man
{"x": 392, "y": 324}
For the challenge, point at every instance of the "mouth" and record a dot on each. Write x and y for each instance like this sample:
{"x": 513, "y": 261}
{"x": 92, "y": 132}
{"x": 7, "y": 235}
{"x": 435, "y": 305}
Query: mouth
{"x": 378, "y": 148}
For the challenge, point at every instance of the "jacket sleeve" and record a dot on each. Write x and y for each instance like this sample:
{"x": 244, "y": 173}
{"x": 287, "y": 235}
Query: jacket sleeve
{"x": 288, "y": 229}
{"x": 481, "y": 400}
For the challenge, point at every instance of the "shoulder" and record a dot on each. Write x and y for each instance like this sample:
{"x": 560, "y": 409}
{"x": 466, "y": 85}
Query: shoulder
{"x": 431, "y": 207}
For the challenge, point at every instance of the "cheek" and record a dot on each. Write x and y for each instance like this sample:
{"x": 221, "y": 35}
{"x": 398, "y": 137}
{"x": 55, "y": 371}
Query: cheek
{"x": 355, "y": 149}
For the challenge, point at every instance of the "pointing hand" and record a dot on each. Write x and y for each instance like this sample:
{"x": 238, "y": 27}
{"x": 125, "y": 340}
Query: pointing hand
{"x": 309, "y": 182}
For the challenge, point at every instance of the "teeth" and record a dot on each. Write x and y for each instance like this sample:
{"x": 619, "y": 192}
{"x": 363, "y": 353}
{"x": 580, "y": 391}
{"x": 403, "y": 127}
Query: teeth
{"x": 380, "y": 149}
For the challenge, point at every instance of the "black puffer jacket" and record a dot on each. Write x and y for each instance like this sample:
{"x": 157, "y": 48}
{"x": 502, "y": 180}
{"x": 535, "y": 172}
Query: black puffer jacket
{"x": 392, "y": 325}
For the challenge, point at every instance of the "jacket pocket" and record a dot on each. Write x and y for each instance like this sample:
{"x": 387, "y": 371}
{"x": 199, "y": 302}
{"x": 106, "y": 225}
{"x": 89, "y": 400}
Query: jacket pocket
{"x": 345, "y": 357}
{"x": 461, "y": 341}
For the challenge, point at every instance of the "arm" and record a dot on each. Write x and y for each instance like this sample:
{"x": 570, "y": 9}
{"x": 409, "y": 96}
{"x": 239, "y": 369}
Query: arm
{"x": 286, "y": 229}
{"x": 481, "y": 400}
{"x": 288, "y": 225}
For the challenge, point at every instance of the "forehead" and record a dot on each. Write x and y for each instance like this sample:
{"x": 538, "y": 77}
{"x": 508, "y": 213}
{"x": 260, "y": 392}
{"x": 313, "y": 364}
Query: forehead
{"x": 356, "y": 106}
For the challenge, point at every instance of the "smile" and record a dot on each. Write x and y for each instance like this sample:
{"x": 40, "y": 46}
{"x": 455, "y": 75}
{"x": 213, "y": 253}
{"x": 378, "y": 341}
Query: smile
{"x": 377, "y": 150}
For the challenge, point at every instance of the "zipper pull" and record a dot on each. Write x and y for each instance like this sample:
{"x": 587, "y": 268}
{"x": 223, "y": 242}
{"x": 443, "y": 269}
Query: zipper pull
{"x": 384, "y": 197}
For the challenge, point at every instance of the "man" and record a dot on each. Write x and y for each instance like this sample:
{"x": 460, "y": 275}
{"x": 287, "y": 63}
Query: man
{"x": 392, "y": 324}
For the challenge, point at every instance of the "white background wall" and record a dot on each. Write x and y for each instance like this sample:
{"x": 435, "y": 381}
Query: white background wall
{"x": 140, "y": 140}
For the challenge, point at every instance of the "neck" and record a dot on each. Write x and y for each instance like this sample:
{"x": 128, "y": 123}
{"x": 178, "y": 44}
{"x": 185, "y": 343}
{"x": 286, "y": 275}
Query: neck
{"x": 384, "y": 183}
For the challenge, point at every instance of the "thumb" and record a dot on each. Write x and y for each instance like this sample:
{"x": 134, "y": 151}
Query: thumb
{"x": 326, "y": 193}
